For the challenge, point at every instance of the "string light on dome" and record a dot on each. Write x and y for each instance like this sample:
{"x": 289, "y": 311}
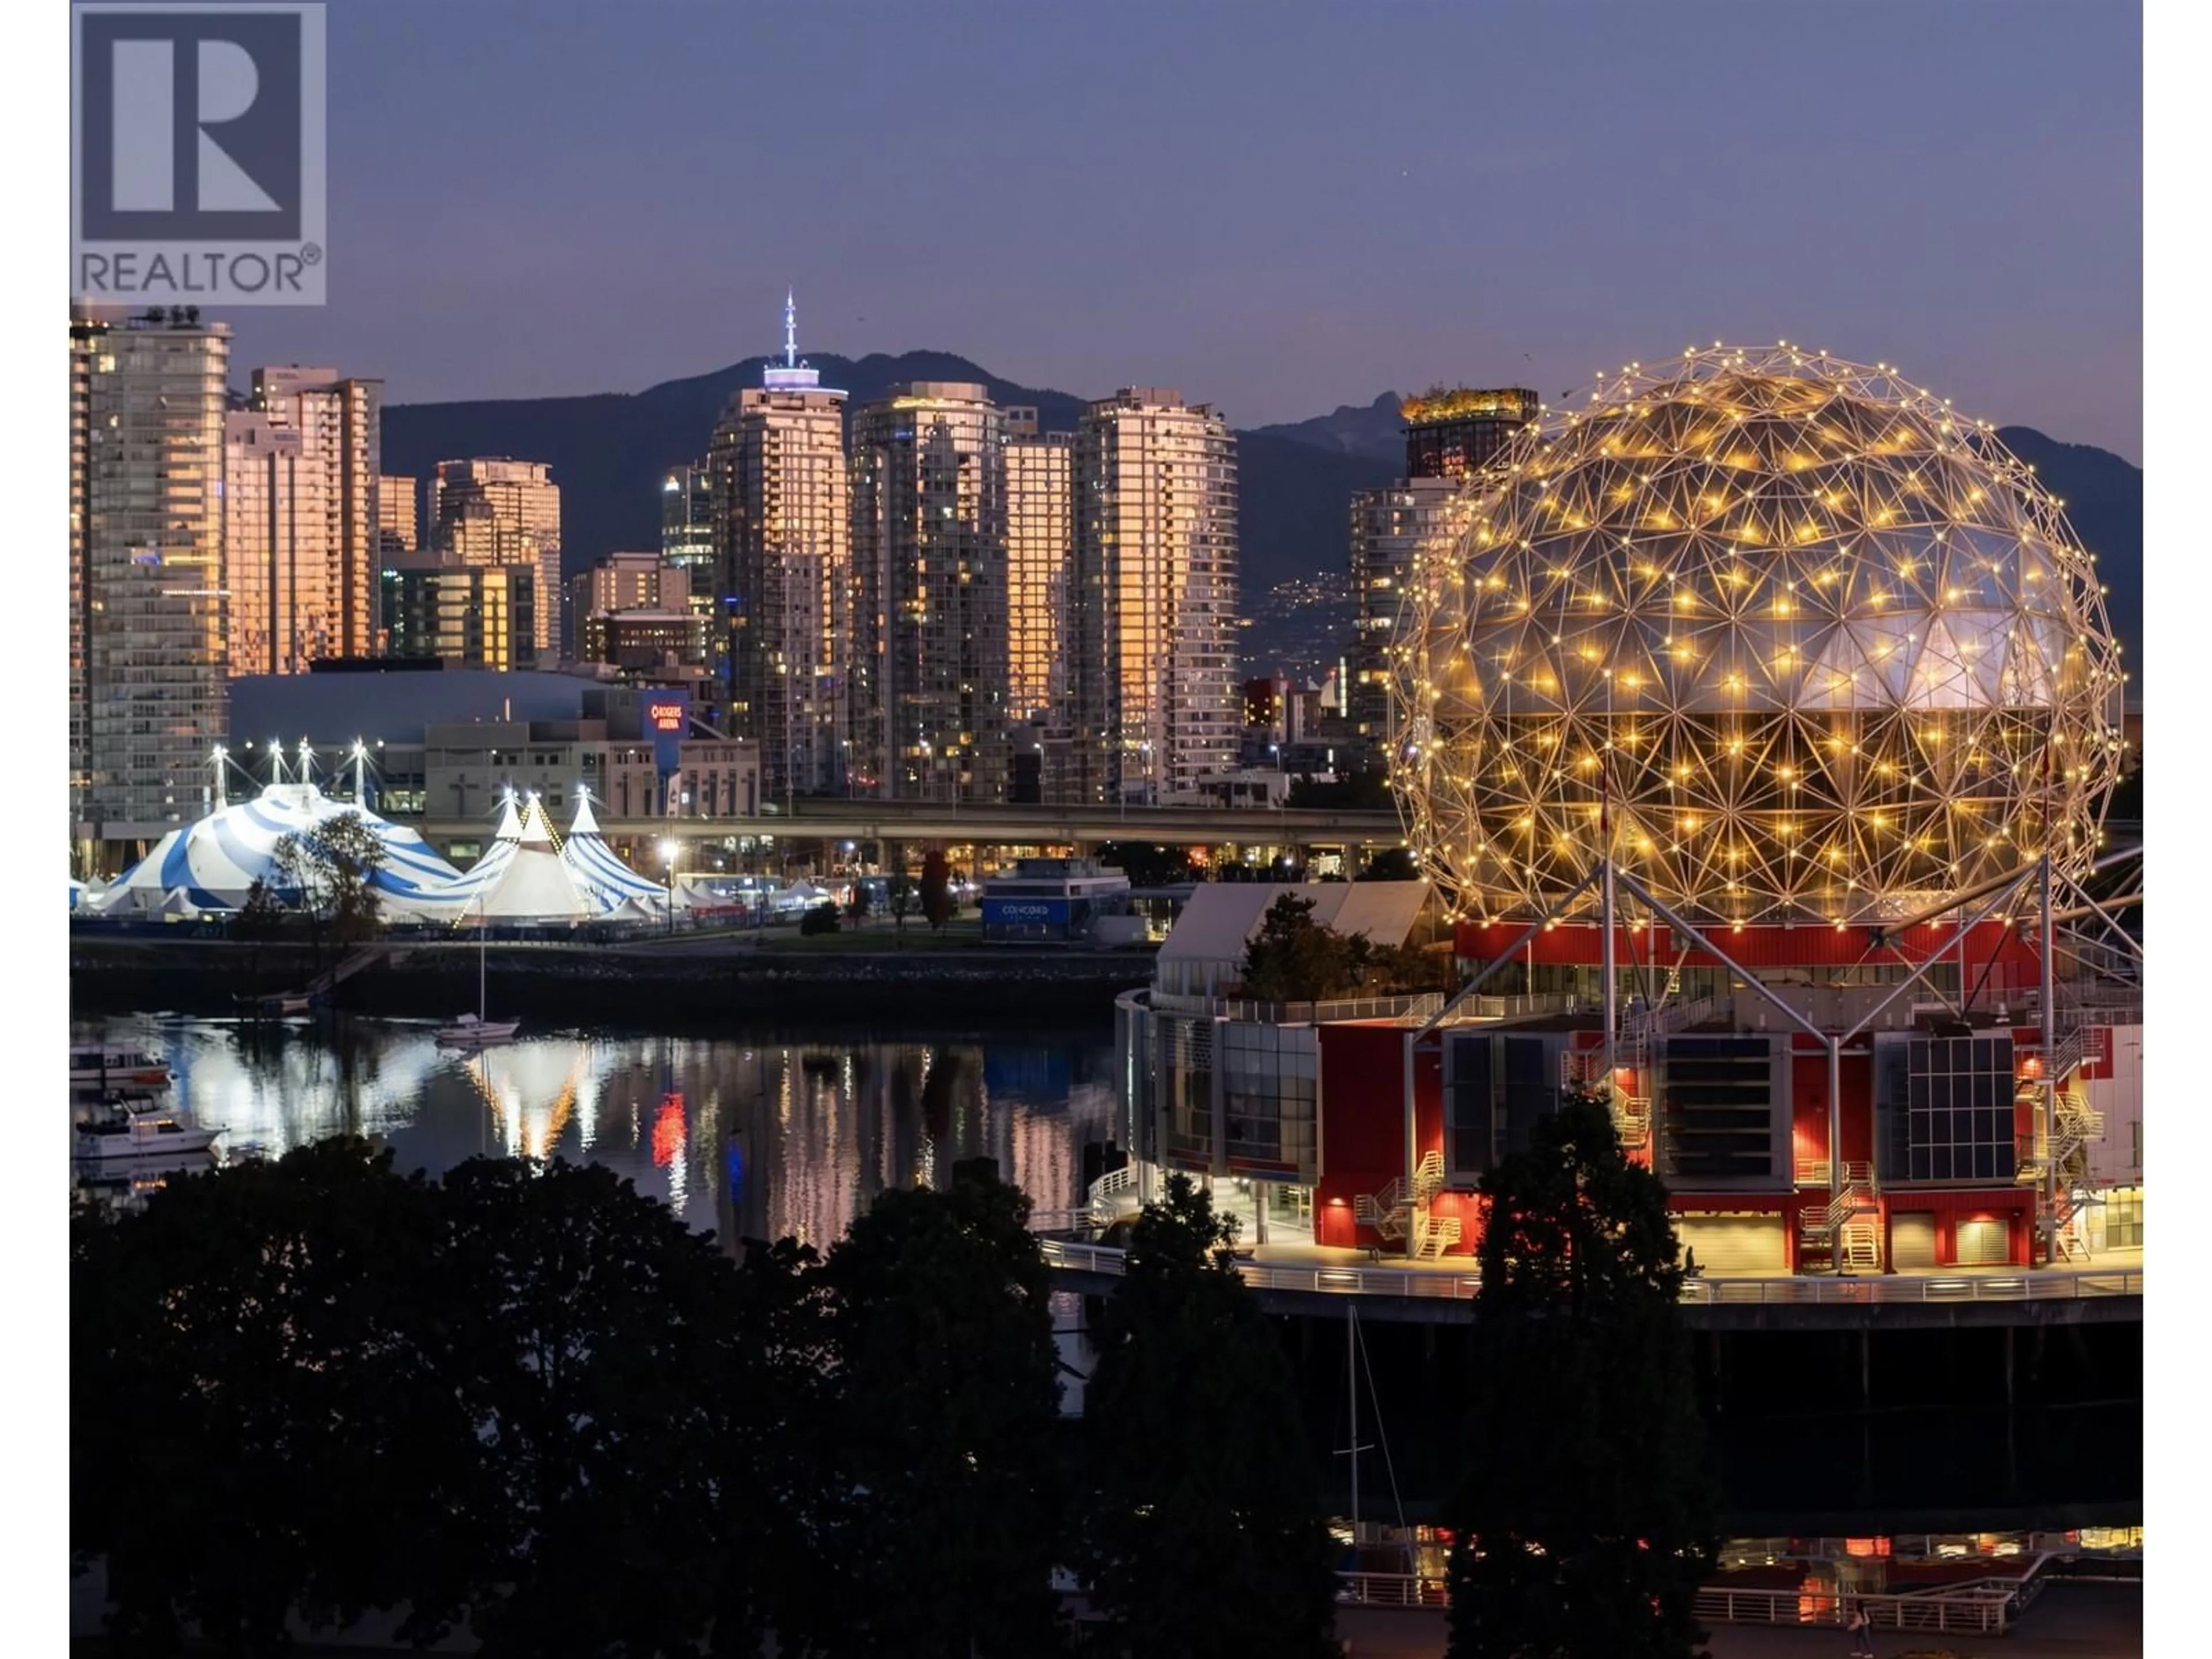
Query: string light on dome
{"x": 1765, "y": 671}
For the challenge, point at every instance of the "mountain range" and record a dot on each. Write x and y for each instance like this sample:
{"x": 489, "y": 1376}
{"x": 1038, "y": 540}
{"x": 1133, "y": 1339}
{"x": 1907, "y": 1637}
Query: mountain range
{"x": 609, "y": 452}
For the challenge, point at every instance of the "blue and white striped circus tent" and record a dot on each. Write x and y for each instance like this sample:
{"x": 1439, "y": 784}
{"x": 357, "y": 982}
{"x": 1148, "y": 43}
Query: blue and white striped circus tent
{"x": 599, "y": 871}
{"x": 522, "y": 879}
{"x": 446, "y": 901}
{"x": 533, "y": 883}
{"x": 215, "y": 862}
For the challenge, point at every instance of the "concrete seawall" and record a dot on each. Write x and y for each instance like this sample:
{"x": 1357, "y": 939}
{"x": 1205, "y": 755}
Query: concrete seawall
{"x": 687, "y": 981}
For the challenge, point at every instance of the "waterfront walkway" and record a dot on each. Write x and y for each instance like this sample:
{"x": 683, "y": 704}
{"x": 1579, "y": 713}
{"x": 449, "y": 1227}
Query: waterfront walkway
{"x": 2068, "y": 1622}
{"x": 1291, "y": 1262}
{"x": 1316, "y": 1270}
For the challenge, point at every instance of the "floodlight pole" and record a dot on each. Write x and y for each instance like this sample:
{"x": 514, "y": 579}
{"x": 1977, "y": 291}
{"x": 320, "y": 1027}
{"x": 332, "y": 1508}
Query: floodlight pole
{"x": 1606, "y": 912}
{"x": 2049, "y": 1073}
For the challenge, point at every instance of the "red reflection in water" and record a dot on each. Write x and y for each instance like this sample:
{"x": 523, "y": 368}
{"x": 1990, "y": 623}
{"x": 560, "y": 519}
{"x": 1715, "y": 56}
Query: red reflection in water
{"x": 668, "y": 1130}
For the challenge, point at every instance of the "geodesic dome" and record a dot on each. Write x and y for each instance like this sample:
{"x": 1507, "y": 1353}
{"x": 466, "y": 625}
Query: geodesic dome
{"x": 1792, "y": 636}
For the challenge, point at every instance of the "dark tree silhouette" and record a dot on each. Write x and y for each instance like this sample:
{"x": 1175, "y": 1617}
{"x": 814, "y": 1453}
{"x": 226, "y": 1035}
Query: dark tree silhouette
{"x": 936, "y": 891}
{"x": 1293, "y": 958}
{"x": 262, "y": 1419}
{"x": 601, "y": 1365}
{"x": 946, "y": 1419}
{"x": 528, "y": 1398}
{"x": 1211, "y": 1540}
{"x": 1586, "y": 1520}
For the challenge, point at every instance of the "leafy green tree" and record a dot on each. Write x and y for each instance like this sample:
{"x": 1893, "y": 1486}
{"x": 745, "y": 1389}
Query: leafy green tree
{"x": 330, "y": 871}
{"x": 1292, "y": 958}
{"x": 1210, "y": 1541}
{"x": 777, "y": 1437}
{"x": 598, "y": 1365}
{"x": 261, "y": 1415}
{"x": 1392, "y": 863}
{"x": 1150, "y": 864}
{"x": 1586, "y": 1520}
{"x": 945, "y": 1413}
{"x": 936, "y": 891}
{"x": 261, "y": 916}
{"x": 1406, "y": 969}
{"x": 530, "y": 1400}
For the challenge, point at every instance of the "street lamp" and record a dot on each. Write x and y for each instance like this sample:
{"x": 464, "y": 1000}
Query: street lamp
{"x": 668, "y": 861}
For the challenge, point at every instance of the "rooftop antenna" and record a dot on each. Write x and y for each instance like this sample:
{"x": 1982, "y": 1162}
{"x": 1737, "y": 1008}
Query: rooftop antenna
{"x": 790, "y": 329}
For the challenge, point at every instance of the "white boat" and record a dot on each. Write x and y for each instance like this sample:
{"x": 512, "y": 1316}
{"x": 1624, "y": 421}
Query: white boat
{"x": 140, "y": 1126}
{"x": 474, "y": 1031}
{"x": 470, "y": 1032}
{"x": 117, "y": 1068}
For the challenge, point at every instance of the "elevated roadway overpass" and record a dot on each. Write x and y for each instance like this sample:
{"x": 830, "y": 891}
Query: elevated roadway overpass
{"x": 999, "y": 826}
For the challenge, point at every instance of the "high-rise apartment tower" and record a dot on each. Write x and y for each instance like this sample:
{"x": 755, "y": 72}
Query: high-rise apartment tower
{"x": 783, "y": 572}
{"x": 929, "y": 712}
{"x": 1154, "y": 655}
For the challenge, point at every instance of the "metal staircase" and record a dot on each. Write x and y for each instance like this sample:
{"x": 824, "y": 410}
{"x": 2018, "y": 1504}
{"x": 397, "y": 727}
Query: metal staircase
{"x": 1113, "y": 1195}
{"x": 1844, "y": 1235}
{"x": 2065, "y": 1147}
{"x": 1637, "y": 1048}
{"x": 1584, "y": 1068}
{"x": 1399, "y": 1212}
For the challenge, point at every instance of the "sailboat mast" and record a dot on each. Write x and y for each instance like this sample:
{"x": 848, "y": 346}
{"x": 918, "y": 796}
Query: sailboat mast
{"x": 1352, "y": 1374}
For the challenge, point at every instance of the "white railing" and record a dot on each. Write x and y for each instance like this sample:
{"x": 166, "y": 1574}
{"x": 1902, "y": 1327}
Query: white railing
{"x": 1419, "y": 1004}
{"x": 1115, "y": 1181}
{"x": 2040, "y": 1285}
{"x": 1976, "y": 1610}
{"x": 1532, "y": 1004}
{"x": 1392, "y": 1590}
{"x": 1984, "y": 1610}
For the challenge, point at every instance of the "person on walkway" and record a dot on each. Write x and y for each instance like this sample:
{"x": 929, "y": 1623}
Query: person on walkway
{"x": 1860, "y": 1628}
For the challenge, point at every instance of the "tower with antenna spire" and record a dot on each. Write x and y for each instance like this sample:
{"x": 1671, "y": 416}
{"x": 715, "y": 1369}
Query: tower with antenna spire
{"x": 792, "y": 374}
{"x": 780, "y": 517}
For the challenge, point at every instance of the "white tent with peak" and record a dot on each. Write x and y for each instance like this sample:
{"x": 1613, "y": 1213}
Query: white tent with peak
{"x": 522, "y": 878}
{"x": 600, "y": 872}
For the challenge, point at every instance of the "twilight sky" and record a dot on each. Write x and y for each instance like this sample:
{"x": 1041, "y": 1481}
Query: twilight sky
{"x": 1276, "y": 207}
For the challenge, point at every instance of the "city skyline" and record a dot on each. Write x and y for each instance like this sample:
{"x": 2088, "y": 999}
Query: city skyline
{"x": 1496, "y": 260}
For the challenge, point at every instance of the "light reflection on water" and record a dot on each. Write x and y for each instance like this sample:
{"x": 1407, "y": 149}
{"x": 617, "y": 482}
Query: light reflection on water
{"x": 750, "y": 1138}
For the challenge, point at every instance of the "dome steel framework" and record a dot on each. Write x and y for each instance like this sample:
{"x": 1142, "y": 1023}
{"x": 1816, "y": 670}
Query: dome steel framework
{"x": 1793, "y": 637}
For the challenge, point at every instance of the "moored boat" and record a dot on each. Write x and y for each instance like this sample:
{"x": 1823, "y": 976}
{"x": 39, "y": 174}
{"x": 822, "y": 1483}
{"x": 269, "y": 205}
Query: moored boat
{"x": 139, "y": 1126}
{"x": 470, "y": 1032}
{"x": 118, "y": 1067}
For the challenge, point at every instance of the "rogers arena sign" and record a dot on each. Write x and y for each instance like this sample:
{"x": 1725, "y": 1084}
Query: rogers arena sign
{"x": 666, "y": 716}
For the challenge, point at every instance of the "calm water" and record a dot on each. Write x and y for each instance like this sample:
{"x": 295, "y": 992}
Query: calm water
{"x": 762, "y": 1138}
{"x": 749, "y": 1137}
